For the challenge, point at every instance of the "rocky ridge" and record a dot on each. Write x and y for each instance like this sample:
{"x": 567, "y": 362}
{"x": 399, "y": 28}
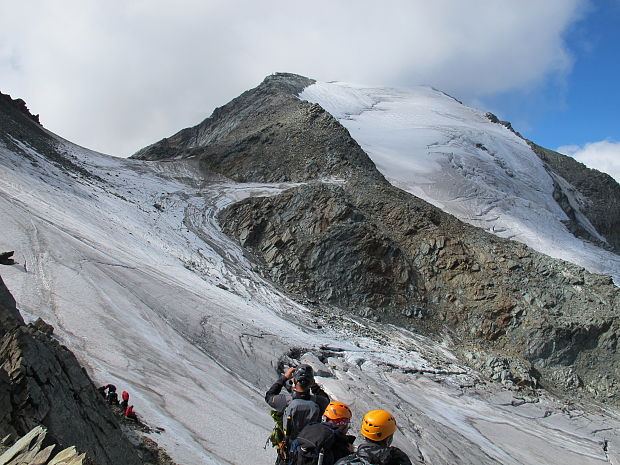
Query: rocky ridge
{"x": 267, "y": 134}
{"x": 275, "y": 90}
{"x": 597, "y": 197}
{"x": 382, "y": 254}
{"x": 42, "y": 384}
{"x": 370, "y": 249}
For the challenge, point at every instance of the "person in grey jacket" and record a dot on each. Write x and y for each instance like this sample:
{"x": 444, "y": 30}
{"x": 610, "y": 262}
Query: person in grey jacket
{"x": 303, "y": 402}
{"x": 302, "y": 386}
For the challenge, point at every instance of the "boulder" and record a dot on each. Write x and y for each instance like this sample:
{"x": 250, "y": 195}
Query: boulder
{"x": 5, "y": 258}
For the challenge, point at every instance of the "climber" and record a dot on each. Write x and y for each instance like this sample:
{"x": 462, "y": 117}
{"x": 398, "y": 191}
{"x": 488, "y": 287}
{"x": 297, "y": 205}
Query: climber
{"x": 101, "y": 390}
{"x": 325, "y": 442}
{"x": 112, "y": 398}
{"x": 112, "y": 395}
{"x": 293, "y": 410}
{"x": 125, "y": 401}
{"x": 129, "y": 413}
{"x": 378, "y": 427}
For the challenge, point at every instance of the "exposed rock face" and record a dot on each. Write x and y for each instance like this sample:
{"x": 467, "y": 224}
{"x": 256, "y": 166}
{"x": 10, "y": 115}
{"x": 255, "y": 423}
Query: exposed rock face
{"x": 9, "y": 315}
{"x": 320, "y": 245}
{"x": 380, "y": 253}
{"x": 6, "y": 258}
{"x": 598, "y": 196}
{"x": 268, "y": 134}
{"x": 19, "y": 106}
{"x": 372, "y": 249}
{"x": 19, "y": 124}
{"x": 42, "y": 383}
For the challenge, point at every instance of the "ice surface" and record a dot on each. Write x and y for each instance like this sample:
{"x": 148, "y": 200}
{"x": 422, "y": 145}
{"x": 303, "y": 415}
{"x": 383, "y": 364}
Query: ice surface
{"x": 452, "y": 156}
{"x": 132, "y": 270}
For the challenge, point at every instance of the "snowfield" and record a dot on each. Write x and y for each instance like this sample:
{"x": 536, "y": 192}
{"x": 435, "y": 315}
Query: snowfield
{"x": 454, "y": 157}
{"x": 132, "y": 270}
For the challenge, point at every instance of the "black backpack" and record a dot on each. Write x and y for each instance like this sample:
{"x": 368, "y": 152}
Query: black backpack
{"x": 314, "y": 441}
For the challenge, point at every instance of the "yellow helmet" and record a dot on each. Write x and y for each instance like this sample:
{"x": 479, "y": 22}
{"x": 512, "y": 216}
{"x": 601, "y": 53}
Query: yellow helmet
{"x": 378, "y": 425}
{"x": 336, "y": 410}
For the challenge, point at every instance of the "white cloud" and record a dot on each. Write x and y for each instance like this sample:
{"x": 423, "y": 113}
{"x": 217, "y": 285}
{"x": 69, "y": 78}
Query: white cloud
{"x": 603, "y": 156}
{"x": 116, "y": 75}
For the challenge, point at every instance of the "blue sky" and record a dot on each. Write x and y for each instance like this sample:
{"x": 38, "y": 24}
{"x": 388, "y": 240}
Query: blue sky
{"x": 582, "y": 105}
{"x": 115, "y": 76}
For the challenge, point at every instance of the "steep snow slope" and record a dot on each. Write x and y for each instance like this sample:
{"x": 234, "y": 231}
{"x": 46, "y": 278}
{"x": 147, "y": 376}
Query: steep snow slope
{"x": 454, "y": 157}
{"x": 134, "y": 273}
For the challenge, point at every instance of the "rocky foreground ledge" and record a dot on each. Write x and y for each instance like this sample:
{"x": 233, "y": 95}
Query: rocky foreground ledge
{"x": 30, "y": 450}
{"x": 46, "y": 398}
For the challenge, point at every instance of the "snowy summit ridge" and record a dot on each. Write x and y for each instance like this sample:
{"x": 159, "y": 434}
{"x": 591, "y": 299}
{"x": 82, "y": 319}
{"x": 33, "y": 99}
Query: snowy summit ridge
{"x": 456, "y": 158}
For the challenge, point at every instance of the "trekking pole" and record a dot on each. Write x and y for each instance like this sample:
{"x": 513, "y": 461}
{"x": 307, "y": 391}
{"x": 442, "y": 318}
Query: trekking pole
{"x": 321, "y": 456}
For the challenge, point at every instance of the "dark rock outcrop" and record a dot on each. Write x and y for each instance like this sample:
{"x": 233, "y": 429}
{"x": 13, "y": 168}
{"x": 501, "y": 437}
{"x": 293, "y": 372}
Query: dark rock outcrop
{"x": 19, "y": 106}
{"x": 42, "y": 383}
{"x": 320, "y": 245}
{"x": 18, "y": 124}
{"x": 10, "y": 317}
{"x": 6, "y": 258}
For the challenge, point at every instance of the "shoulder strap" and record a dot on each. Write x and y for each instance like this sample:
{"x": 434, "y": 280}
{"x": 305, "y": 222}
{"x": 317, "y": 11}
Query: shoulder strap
{"x": 352, "y": 459}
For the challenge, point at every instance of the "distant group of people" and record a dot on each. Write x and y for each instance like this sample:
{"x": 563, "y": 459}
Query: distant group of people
{"x": 111, "y": 396}
{"x": 312, "y": 430}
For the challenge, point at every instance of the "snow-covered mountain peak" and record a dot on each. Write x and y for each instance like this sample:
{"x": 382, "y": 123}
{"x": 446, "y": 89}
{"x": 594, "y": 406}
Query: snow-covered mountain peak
{"x": 456, "y": 158}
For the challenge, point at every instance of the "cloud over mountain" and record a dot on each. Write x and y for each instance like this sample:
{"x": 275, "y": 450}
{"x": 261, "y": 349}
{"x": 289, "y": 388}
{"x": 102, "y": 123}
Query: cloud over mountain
{"x": 115, "y": 75}
{"x": 603, "y": 155}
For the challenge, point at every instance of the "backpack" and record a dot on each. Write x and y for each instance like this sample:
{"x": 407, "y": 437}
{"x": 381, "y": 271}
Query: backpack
{"x": 353, "y": 459}
{"x": 277, "y": 438}
{"x": 277, "y": 434}
{"x": 298, "y": 414}
{"x": 314, "y": 441}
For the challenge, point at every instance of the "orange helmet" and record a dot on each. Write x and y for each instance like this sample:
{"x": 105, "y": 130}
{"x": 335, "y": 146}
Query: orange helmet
{"x": 336, "y": 410}
{"x": 378, "y": 425}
